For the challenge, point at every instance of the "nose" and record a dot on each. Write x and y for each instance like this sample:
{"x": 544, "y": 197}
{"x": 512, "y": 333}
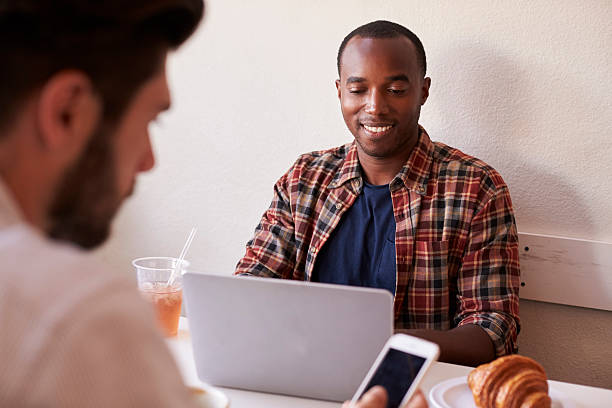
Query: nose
{"x": 376, "y": 103}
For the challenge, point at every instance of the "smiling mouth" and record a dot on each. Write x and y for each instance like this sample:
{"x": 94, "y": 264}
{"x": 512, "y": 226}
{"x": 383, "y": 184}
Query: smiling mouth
{"x": 377, "y": 130}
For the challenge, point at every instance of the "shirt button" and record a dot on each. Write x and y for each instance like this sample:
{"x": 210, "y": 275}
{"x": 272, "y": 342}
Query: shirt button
{"x": 338, "y": 206}
{"x": 421, "y": 189}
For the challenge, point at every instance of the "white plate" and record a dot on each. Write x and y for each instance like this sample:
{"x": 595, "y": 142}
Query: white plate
{"x": 455, "y": 393}
{"x": 209, "y": 397}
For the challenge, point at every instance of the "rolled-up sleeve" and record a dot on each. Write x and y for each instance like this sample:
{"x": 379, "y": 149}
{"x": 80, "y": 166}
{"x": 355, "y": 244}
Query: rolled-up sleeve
{"x": 489, "y": 275}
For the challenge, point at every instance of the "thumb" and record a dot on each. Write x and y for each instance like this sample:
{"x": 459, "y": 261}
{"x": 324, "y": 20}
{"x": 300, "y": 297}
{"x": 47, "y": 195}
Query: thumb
{"x": 417, "y": 401}
{"x": 374, "y": 398}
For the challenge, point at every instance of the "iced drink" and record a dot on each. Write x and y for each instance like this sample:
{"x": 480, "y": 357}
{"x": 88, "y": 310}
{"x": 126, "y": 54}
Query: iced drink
{"x": 153, "y": 275}
{"x": 166, "y": 301}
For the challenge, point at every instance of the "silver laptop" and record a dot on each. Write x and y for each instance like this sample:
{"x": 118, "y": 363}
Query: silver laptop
{"x": 296, "y": 338}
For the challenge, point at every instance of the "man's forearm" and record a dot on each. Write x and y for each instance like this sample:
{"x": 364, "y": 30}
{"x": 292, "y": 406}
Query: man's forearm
{"x": 467, "y": 345}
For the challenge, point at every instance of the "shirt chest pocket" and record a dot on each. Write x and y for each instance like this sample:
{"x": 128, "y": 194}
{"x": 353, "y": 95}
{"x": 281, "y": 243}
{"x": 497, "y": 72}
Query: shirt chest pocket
{"x": 431, "y": 266}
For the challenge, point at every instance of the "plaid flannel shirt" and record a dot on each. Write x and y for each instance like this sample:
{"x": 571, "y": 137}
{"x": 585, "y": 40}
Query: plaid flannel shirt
{"x": 456, "y": 242}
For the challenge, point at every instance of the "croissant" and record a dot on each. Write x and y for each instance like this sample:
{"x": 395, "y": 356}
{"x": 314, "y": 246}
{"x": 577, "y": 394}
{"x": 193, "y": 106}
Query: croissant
{"x": 510, "y": 382}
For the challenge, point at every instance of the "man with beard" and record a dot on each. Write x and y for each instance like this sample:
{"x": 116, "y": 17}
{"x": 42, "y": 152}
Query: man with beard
{"x": 394, "y": 210}
{"x": 80, "y": 82}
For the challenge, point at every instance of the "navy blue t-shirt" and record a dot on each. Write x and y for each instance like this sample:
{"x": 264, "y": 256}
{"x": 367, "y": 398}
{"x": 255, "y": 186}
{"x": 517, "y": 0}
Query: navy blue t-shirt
{"x": 361, "y": 249}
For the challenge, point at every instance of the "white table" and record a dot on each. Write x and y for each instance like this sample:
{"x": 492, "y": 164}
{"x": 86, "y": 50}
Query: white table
{"x": 582, "y": 396}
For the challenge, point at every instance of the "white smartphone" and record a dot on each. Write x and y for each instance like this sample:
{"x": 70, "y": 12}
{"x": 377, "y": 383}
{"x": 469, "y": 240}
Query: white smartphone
{"x": 399, "y": 368}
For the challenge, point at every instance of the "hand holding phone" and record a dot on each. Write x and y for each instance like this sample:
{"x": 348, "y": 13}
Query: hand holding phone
{"x": 376, "y": 397}
{"x": 399, "y": 368}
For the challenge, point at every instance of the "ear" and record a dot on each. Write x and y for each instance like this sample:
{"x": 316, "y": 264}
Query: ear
{"x": 68, "y": 110}
{"x": 425, "y": 90}
{"x": 338, "y": 89}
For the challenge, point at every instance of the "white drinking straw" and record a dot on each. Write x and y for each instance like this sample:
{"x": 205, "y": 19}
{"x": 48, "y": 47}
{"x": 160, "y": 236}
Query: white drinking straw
{"x": 177, "y": 269}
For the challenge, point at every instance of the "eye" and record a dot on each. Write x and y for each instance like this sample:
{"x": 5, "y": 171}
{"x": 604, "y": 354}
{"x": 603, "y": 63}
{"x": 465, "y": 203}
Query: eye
{"x": 356, "y": 91}
{"x": 395, "y": 91}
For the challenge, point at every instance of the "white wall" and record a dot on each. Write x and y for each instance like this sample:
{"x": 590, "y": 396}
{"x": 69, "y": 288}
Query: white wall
{"x": 523, "y": 85}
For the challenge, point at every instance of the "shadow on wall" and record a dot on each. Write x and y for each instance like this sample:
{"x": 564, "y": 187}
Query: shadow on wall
{"x": 482, "y": 105}
{"x": 572, "y": 343}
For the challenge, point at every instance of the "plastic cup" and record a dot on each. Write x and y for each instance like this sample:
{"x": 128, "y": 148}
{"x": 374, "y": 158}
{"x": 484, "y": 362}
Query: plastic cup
{"x": 153, "y": 274}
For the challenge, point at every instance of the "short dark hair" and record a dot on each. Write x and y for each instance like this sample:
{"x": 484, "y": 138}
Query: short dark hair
{"x": 385, "y": 29}
{"x": 116, "y": 43}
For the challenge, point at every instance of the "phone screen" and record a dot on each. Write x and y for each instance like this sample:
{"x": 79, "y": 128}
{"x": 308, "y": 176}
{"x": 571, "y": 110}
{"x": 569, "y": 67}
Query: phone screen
{"x": 396, "y": 373}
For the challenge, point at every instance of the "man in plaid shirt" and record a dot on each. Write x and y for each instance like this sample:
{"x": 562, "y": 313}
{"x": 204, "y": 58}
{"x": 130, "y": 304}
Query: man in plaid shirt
{"x": 455, "y": 273}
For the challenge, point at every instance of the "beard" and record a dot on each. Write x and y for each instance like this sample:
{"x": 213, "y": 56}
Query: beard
{"x": 87, "y": 196}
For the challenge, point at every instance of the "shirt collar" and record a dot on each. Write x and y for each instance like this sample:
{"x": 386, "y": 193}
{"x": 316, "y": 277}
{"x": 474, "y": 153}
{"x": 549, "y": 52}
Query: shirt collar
{"x": 9, "y": 211}
{"x": 414, "y": 174}
{"x": 350, "y": 171}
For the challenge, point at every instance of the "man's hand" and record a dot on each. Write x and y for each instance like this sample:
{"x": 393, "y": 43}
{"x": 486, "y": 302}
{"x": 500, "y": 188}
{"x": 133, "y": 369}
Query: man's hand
{"x": 376, "y": 397}
{"x": 465, "y": 345}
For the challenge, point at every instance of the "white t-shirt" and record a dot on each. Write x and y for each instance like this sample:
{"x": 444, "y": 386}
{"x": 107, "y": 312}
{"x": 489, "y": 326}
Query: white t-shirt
{"x": 73, "y": 334}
